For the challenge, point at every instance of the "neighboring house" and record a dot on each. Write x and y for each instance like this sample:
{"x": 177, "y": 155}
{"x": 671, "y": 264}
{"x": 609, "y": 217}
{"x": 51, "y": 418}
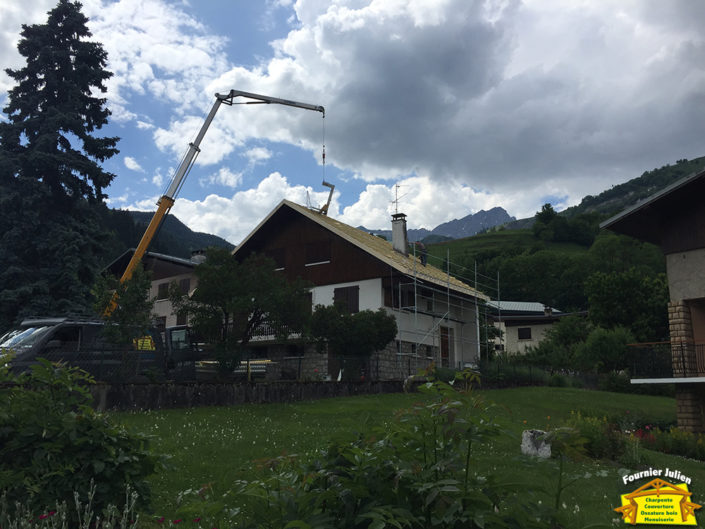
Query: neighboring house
{"x": 522, "y": 324}
{"x": 436, "y": 314}
{"x": 165, "y": 269}
{"x": 674, "y": 219}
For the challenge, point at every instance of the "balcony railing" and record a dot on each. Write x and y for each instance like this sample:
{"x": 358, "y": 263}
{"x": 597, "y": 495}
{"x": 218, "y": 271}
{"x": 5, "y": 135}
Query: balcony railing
{"x": 667, "y": 360}
{"x": 268, "y": 332}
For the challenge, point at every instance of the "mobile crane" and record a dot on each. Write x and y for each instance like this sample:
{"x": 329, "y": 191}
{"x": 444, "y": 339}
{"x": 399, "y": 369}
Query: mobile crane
{"x": 167, "y": 200}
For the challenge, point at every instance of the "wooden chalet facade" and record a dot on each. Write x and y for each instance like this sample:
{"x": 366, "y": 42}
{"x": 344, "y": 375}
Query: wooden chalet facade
{"x": 436, "y": 314}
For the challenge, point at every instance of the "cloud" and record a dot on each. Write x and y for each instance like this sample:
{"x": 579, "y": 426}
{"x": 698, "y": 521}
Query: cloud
{"x": 489, "y": 94}
{"x": 12, "y": 16}
{"x": 224, "y": 177}
{"x": 428, "y": 203}
{"x": 156, "y": 49}
{"x": 158, "y": 178}
{"x": 481, "y": 102}
{"x": 133, "y": 164}
{"x": 257, "y": 155}
{"x": 234, "y": 217}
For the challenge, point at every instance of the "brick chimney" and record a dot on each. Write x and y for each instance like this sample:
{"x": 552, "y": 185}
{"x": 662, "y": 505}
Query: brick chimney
{"x": 400, "y": 241}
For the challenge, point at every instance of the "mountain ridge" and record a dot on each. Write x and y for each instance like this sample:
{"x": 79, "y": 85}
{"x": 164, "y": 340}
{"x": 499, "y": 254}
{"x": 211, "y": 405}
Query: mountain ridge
{"x": 466, "y": 226}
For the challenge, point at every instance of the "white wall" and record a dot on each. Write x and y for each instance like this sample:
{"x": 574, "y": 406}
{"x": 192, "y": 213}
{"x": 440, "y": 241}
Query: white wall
{"x": 419, "y": 328}
{"x": 685, "y": 274}
{"x": 162, "y": 307}
{"x": 511, "y": 341}
{"x": 370, "y": 293}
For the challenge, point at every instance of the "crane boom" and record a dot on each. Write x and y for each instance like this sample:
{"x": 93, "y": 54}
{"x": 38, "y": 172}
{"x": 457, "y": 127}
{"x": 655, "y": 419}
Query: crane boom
{"x": 167, "y": 200}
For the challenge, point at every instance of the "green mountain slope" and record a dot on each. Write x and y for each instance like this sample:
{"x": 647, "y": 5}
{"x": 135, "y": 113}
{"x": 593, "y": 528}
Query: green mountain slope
{"x": 621, "y": 196}
{"x": 173, "y": 238}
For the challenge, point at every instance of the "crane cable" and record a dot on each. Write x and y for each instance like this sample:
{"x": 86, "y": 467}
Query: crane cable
{"x": 323, "y": 154}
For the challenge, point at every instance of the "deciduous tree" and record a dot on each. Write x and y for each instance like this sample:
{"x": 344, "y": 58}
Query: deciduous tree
{"x": 233, "y": 299}
{"x": 354, "y": 336}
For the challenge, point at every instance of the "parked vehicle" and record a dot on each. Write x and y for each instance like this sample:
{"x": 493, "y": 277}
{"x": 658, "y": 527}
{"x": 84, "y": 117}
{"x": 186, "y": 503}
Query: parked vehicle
{"x": 82, "y": 343}
{"x": 161, "y": 354}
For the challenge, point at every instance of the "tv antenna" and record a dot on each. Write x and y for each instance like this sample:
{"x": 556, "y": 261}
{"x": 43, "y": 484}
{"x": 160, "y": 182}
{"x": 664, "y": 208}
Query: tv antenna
{"x": 397, "y": 198}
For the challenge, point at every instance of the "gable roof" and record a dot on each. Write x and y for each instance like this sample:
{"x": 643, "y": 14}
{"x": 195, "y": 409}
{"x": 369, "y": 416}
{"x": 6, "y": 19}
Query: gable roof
{"x": 166, "y": 264}
{"x": 375, "y": 246}
{"x": 647, "y": 220}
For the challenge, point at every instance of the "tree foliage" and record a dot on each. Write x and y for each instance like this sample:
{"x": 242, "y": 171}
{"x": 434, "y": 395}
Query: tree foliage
{"x": 232, "y": 299}
{"x": 630, "y": 299}
{"x": 51, "y": 181}
{"x": 550, "y": 226}
{"x": 605, "y": 350}
{"x": 559, "y": 348}
{"x": 359, "y": 334}
{"x": 49, "y": 261}
{"x": 130, "y": 313}
{"x": 53, "y": 443}
{"x": 52, "y": 112}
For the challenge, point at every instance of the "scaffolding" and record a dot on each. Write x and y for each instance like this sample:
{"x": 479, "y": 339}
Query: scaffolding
{"x": 447, "y": 310}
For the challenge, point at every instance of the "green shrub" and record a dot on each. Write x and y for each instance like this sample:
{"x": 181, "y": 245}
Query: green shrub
{"x": 53, "y": 444}
{"x": 445, "y": 374}
{"x": 604, "y": 440}
{"x": 558, "y": 381}
{"x": 673, "y": 441}
{"x": 511, "y": 372}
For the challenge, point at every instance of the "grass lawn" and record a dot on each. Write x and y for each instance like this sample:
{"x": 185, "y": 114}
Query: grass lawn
{"x": 219, "y": 445}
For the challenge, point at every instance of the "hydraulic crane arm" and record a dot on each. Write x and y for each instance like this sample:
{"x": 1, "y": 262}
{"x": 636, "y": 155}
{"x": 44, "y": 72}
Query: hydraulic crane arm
{"x": 167, "y": 200}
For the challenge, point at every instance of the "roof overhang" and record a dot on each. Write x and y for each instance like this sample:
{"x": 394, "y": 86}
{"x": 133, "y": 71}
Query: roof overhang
{"x": 648, "y": 219}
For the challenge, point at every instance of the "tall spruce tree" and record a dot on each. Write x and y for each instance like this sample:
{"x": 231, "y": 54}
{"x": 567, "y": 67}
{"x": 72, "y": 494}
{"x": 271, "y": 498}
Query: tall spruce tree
{"x": 51, "y": 180}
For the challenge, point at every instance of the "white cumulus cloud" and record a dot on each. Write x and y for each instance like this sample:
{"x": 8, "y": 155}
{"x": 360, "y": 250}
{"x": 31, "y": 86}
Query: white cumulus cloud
{"x": 133, "y": 164}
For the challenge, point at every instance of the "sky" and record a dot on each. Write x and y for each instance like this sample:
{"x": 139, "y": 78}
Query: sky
{"x": 434, "y": 108}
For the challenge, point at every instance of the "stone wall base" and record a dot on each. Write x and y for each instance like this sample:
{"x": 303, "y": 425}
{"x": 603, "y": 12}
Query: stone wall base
{"x": 690, "y": 407}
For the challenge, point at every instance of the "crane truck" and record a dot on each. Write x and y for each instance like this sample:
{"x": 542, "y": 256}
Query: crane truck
{"x": 167, "y": 200}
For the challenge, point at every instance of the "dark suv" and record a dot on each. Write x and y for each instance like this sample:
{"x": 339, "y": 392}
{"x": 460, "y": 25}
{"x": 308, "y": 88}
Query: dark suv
{"x": 81, "y": 343}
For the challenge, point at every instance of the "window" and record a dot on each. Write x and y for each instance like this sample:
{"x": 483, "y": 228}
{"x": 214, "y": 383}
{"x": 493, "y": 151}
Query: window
{"x": 524, "y": 333}
{"x": 317, "y": 253}
{"x": 348, "y": 298}
{"x": 181, "y": 319}
{"x": 185, "y": 285}
{"x": 163, "y": 291}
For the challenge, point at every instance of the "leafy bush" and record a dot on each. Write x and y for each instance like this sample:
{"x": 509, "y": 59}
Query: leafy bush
{"x": 605, "y": 350}
{"x": 53, "y": 444}
{"x": 557, "y": 380}
{"x": 604, "y": 440}
{"x": 502, "y": 372}
{"x": 673, "y": 441}
{"x": 445, "y": 374}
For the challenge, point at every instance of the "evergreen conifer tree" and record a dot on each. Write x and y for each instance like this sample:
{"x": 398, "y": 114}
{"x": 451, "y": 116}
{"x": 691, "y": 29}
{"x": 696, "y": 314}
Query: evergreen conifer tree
{"x": 51, "y": 180}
